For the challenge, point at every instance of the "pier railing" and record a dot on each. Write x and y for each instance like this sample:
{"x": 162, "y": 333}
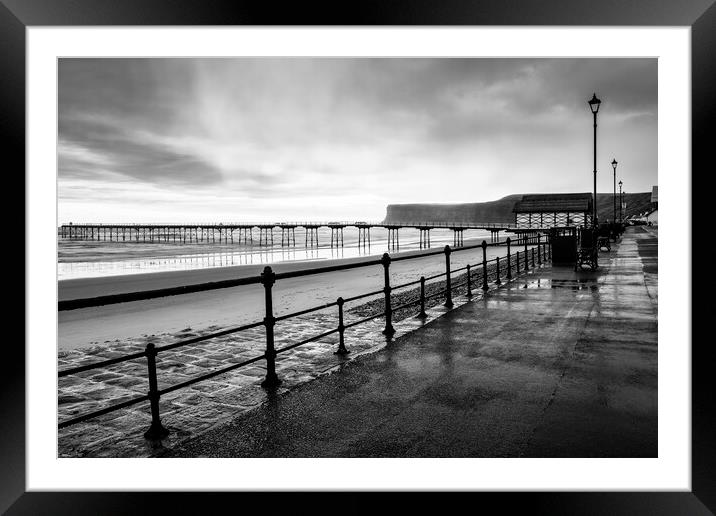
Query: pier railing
{"x": 489, "y": 271}
{"x": 383, "y": 223}
{"x": 451, "y": 225}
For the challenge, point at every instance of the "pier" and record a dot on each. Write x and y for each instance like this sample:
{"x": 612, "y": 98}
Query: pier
{"x": 555, "y": 363}
{"x": 262, "y": 234}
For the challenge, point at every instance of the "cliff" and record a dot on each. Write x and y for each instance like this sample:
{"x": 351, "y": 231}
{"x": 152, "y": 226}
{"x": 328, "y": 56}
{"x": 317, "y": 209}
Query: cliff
{"x": 492, "y": 211}
{"x": 500, "y": 210}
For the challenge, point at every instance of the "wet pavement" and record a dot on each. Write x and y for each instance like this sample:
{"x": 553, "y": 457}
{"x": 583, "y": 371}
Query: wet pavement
{"x": 193, "y": 410}
{"x": 556, "y": 363}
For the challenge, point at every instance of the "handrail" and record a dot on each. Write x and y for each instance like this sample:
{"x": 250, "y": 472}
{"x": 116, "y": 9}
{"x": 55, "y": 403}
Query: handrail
{"x": 268, "y": 278}
{"x": 361, "y": 296}
{"x": 214, "y": 335}
{"x": 306, "y": 311}
{"x": 110, "y": 299}
{"x": 383, "y": 223}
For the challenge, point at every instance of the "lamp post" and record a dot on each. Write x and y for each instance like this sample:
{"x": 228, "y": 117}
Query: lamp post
{"x": 594, "y": 104}
{"x": 621, "y": 202}
{"x": 614, "y": 166}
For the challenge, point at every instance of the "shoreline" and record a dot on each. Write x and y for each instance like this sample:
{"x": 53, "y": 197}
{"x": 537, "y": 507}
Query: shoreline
{"x": 227, "y": 307}
{"x": 91, "y": 287}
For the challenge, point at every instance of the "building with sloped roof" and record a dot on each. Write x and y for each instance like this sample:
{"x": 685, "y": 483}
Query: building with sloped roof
{"x": 553, "y": 210}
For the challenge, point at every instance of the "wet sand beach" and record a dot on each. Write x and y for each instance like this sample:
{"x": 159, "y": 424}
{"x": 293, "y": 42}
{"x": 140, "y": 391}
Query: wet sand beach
{"x": 225, "y": 307}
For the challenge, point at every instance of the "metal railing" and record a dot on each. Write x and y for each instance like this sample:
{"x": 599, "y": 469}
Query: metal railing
{"x": 243, "y": 225}
{"x": 451, "y": 225}
{"x": 436, "y": 224}
{"x": 541, "y": 251}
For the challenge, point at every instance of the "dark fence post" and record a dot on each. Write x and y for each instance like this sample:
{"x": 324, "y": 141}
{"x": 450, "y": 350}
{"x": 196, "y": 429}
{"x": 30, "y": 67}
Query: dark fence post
{"x": 422, "y": 313}
{"x": 527, "y": 267}
{"x": 469, "y": 284}
{"x": 484, "y": 266}
{"x": 497, "y": 271}
{"x": 268, "y": 278}
{"x": 156, "y": 430}
{"x": 389, "y": 331}
{"x": 533, "y": 257}
{"x": 539, "y": 249}
{"x": 341, "y": 329}
{"x": 509, "y": 260}
{"x": 517, "y": 262}
{"x": 545, "y": 247}
{"x": 448, "y": 282}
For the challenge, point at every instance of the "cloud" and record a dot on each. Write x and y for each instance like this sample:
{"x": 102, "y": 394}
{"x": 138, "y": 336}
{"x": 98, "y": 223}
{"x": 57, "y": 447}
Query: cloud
{"x": 92, "y": 147}
{"x": 320, "y": 129}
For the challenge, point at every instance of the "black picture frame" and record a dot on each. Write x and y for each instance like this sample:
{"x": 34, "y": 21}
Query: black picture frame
{"x": 700, "y": 15}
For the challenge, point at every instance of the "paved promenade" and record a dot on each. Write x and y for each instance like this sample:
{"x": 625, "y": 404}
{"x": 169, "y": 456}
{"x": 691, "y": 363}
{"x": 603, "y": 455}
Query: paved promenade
{"x": 554, "y": 364}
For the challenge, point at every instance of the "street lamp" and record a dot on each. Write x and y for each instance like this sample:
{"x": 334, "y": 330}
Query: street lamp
{"x": 594, "y": 106}
{"x": 621, "y": 202}
{"x": 614, "y": 166}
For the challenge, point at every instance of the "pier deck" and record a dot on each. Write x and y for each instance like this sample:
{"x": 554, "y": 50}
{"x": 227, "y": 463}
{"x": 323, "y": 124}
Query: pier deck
{"x": 554, "y": 364}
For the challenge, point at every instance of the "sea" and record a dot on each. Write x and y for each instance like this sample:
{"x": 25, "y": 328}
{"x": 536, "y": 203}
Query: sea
{"x": 79, "y": 258}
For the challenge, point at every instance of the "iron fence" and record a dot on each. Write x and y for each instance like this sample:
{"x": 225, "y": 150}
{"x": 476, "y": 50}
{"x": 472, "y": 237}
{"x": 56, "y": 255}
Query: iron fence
{"x": 492, "y": 270}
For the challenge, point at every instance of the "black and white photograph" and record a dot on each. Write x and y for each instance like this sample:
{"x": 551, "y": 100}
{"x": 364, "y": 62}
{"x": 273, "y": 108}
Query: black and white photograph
{"x": 357, "y": 257}
{"x": 410, "y": 249}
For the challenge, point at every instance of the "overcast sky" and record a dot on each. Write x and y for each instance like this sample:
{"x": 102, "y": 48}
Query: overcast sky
{"x": 274, "y": 139}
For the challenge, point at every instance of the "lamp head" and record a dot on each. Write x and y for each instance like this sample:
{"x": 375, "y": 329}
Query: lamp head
{"x": 594, "y": 103}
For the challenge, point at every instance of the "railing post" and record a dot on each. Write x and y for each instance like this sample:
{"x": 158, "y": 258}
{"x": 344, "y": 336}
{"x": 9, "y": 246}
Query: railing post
{"x": 517, "y": 262}
{"x": 533, "y": 257}
{"x": 539, "y": 250}
{"x": 422, "y": 313}
{"x": 484, "y": 266}
{"x": 469, "y": 284}
{"x": 156, "y": 429}
{"x": 341, "y": 329}
{"x": 548, "y": 250}
{"x": 527, "y": 266}
{"x": 448, "y": 282}
{"x": 509, "y": 260}
{"x": 268, "y": 278}
{"x": 497, "y": 265}
{"x": 389, "y": 331}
